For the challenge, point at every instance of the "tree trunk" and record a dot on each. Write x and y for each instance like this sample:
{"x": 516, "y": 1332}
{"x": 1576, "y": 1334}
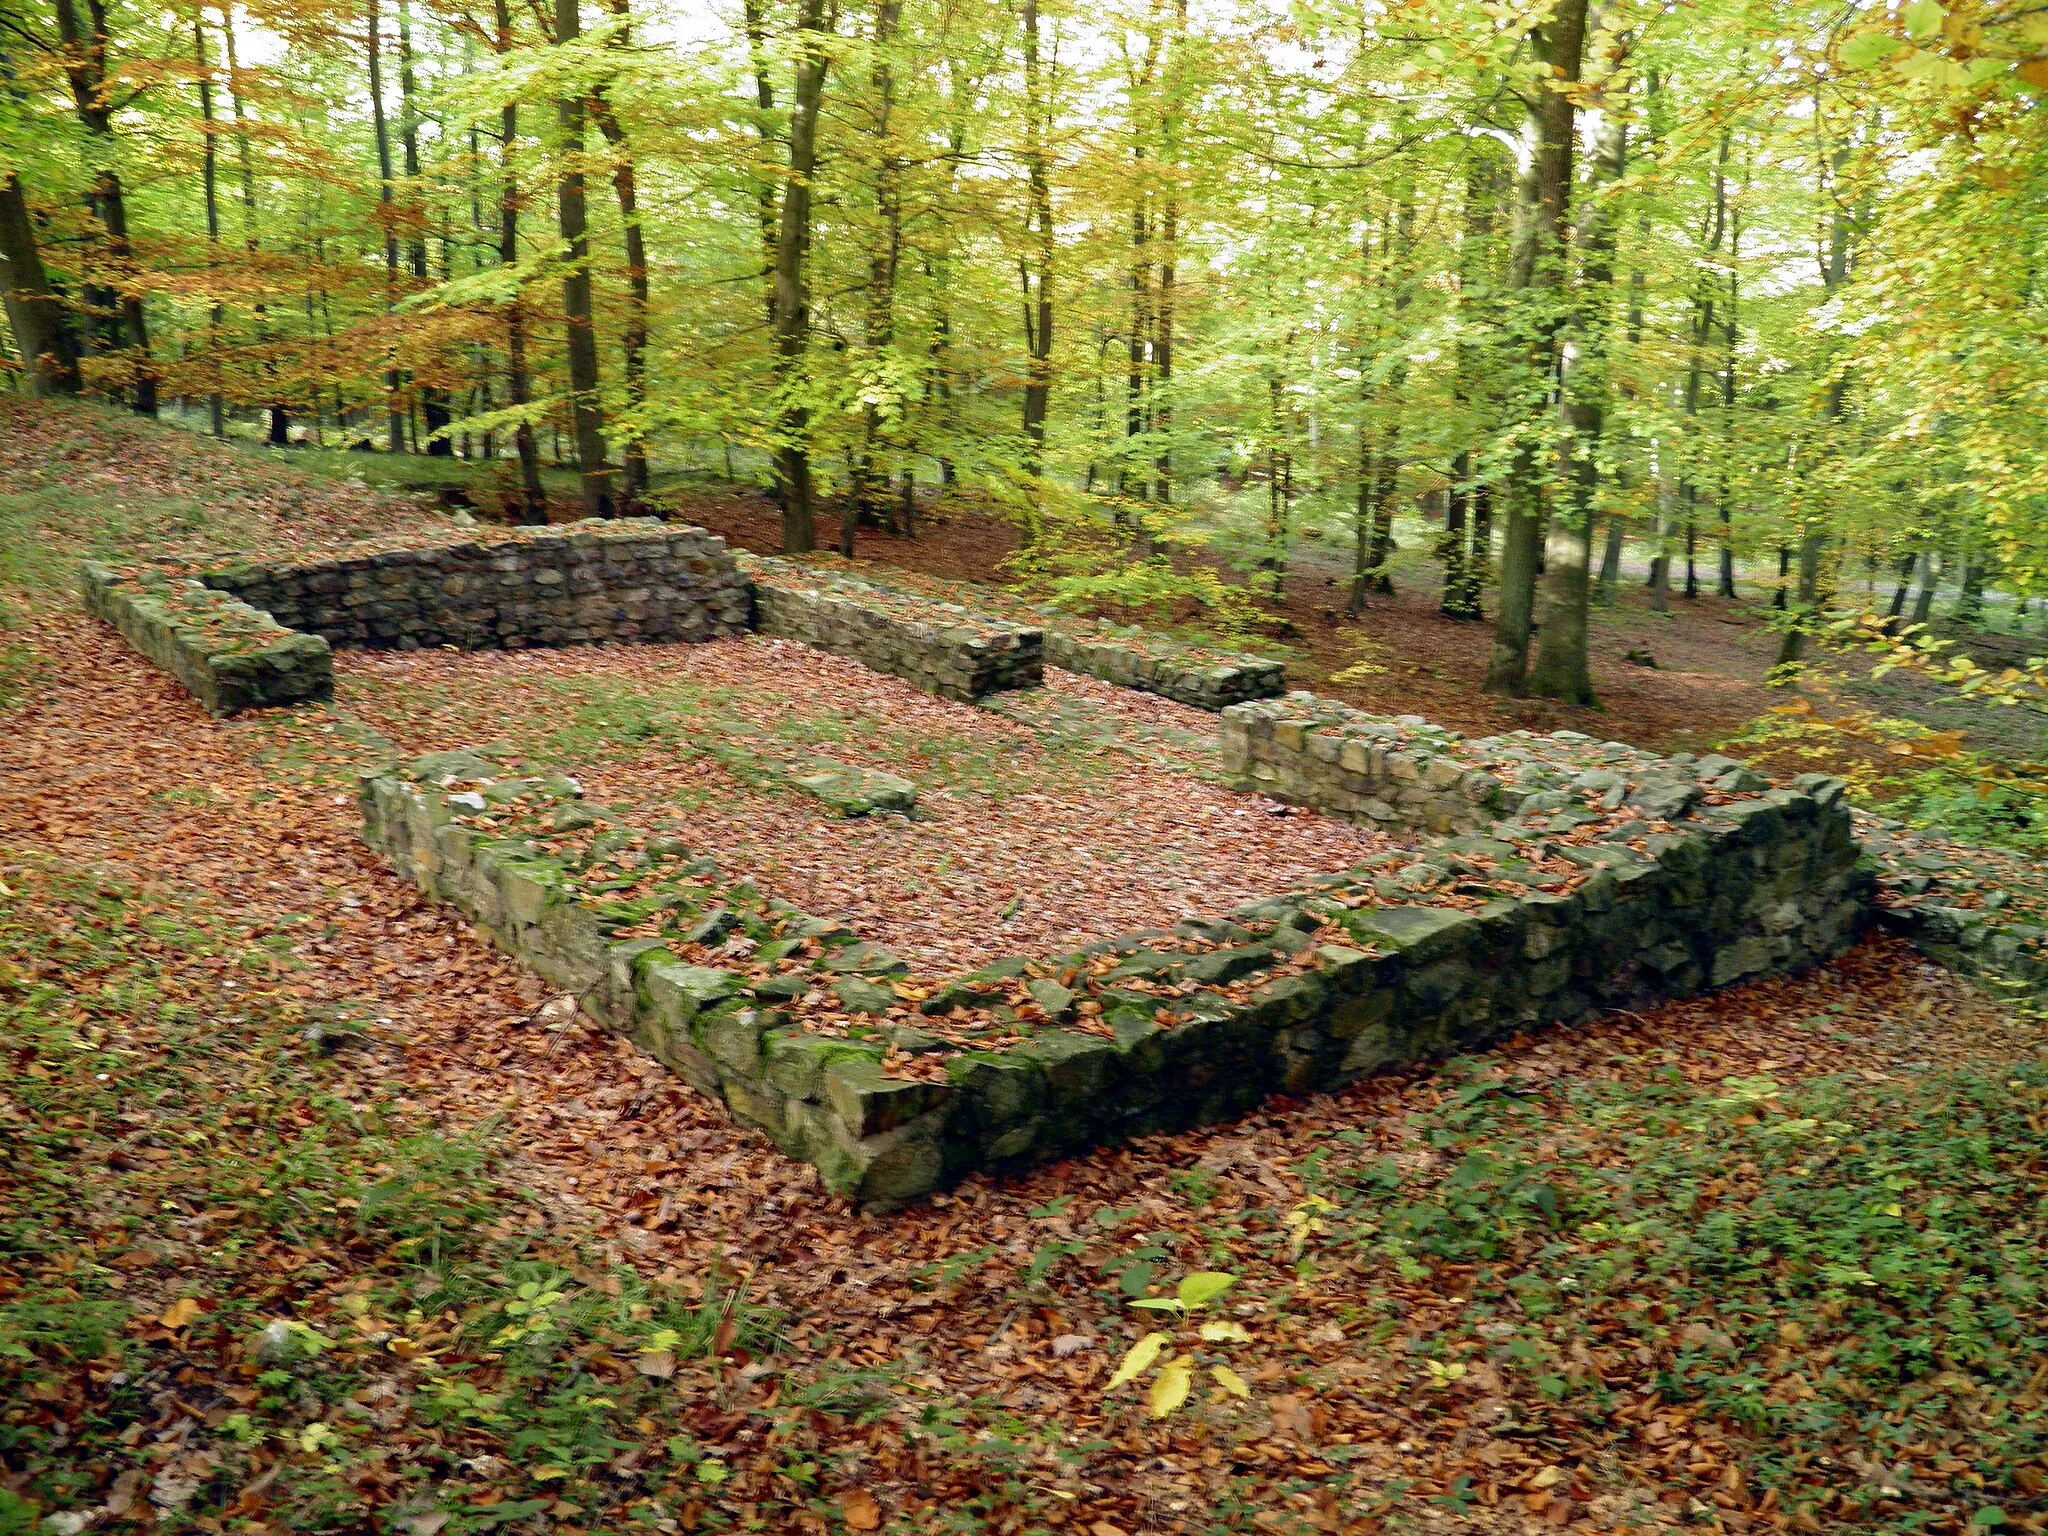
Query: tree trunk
{"x": 209, "y": 181}
{"x": 433, "y": 400}
{"x": 1813, "y": 537}
{"x": 41, "y": 325}
{"x": 387, "y": 212}
{"x": 1038, "y": 292}
{"x": 586, "y": 414}
{"x": 755, "y": 25}
{"x": 1451, "y": 549}
{"x": 1610, "y": 558}
{"x": 1544, "y": 198}
{"x": 1561, "y": 670}
{"x": 870, "y": 485}
{"x": 638, "y": 296}
{"x": 279, "y": 434}
{"x": 1899, "y": 593}
{"x": 792, "y": 299}
{"x": 85, "y": 70}
{"x": 533, "y": 501}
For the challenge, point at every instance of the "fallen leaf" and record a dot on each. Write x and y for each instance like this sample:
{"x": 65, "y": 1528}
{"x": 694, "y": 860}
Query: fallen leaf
{"x": 860, "y": 1511}
{"x": 1137, "y": 1360}
{"x": 1170, "y": 1388}
{"x": 181, "y": 1313}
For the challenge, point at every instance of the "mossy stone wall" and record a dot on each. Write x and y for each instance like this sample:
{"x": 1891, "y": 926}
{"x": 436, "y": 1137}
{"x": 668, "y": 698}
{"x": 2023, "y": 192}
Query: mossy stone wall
{"x": 229, "y": 655}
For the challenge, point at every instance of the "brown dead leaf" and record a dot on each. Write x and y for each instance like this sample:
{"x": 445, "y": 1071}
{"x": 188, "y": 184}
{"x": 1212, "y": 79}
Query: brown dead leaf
{"x": 181, "y": 1313}
{"x": 860, "y": 1511}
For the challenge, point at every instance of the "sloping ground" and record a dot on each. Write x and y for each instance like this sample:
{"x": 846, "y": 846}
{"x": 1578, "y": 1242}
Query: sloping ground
{"x": 316, "y": 1215}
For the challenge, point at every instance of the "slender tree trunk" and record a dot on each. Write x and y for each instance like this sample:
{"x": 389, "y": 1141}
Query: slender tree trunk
{"x": 1038, "y": 290}
{"x": 1813, "y": 535}
{"x": 387, "y": 213}
{"x": 1539, "y": 272}
{"x": 279, "y": 434}
{"x": 209, "y": 181}
{"x": 870, "y": 484}
{"x": 1451, "y": 549}
{"x": 764, "y": 187}
{"x": 1730, "y": 334}
{"x": 41, "y": 325}
{"x": 586, "y": 414}
{"x": 432, "y": 399}
{"x": 792, "y": 299}
{"x": 533, "y": 501}
{"x": 1610, "y": 558}
{"x": 633, "y": 337}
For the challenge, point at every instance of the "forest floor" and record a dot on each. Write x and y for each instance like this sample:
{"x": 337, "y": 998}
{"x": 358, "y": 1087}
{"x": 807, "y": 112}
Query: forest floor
{"x": 317, "y": 1215}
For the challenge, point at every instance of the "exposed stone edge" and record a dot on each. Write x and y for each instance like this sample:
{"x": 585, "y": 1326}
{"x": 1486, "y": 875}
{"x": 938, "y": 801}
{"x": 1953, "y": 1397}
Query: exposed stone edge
{"x": 267, "y": 667}
{"x": 939, "y": 647}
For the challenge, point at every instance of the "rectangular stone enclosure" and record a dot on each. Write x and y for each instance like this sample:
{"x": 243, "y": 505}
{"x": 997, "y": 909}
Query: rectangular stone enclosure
{"x": 893, "y": 1085}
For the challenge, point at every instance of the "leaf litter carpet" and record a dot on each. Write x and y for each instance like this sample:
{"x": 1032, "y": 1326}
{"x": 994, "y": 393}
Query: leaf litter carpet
{"x": 1027, "y": 841}
{"x": 109, "y": 763}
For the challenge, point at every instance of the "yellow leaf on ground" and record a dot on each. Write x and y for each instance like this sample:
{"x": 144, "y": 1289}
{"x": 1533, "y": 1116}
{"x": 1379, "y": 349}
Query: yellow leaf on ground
{"x": 1170, "y": 1388}
{"x": 1226, "y": 1333}
{"x": 1141, "y": 1356}
{"x": 181, "y": 1313}
{"x": 1229, "y": 1381}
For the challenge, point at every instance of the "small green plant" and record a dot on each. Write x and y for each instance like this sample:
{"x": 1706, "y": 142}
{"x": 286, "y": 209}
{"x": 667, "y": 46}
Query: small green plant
{"x": 1174, "y": 1380}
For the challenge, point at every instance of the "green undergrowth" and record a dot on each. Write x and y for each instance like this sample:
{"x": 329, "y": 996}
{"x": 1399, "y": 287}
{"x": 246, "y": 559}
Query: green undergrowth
{"x": 1849, "y": 1285}
{"x": 238, "y": 1283}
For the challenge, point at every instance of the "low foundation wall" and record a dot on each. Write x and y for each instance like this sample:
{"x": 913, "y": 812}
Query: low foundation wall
{"x": 1148, "y": 667}
{"x": 1126, "y": 655}
{"x": 1978, "y": 911}
{"x": 939, "y": 647}
{"x": 894, "y": 1085}
{"x": 229, "y": 656}
{"x": 632, "y": 579}
{"x": 1403, "y": 775}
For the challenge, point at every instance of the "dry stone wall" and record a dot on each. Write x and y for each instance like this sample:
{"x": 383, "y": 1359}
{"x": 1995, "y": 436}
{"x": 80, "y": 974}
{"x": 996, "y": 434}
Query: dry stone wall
{"x": 633, "y": 579}
{"x": 894, "y": 1084}
{"x": 229, "y": 656}
{"x": 940, "y": 647}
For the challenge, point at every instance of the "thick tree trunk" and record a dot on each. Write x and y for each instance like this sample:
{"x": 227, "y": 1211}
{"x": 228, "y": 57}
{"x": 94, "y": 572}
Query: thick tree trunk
{"x": 1562, "y": 670}
{"x": 586, "y": 413}
{"x": 41, "y": 325}
{"x": 792, "y": 299}
{"x": 1899, "y": 593}
{"x": 85, "y": 70}
{"x": 533, "y": 501}
{"x": 1544, "y": 197}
